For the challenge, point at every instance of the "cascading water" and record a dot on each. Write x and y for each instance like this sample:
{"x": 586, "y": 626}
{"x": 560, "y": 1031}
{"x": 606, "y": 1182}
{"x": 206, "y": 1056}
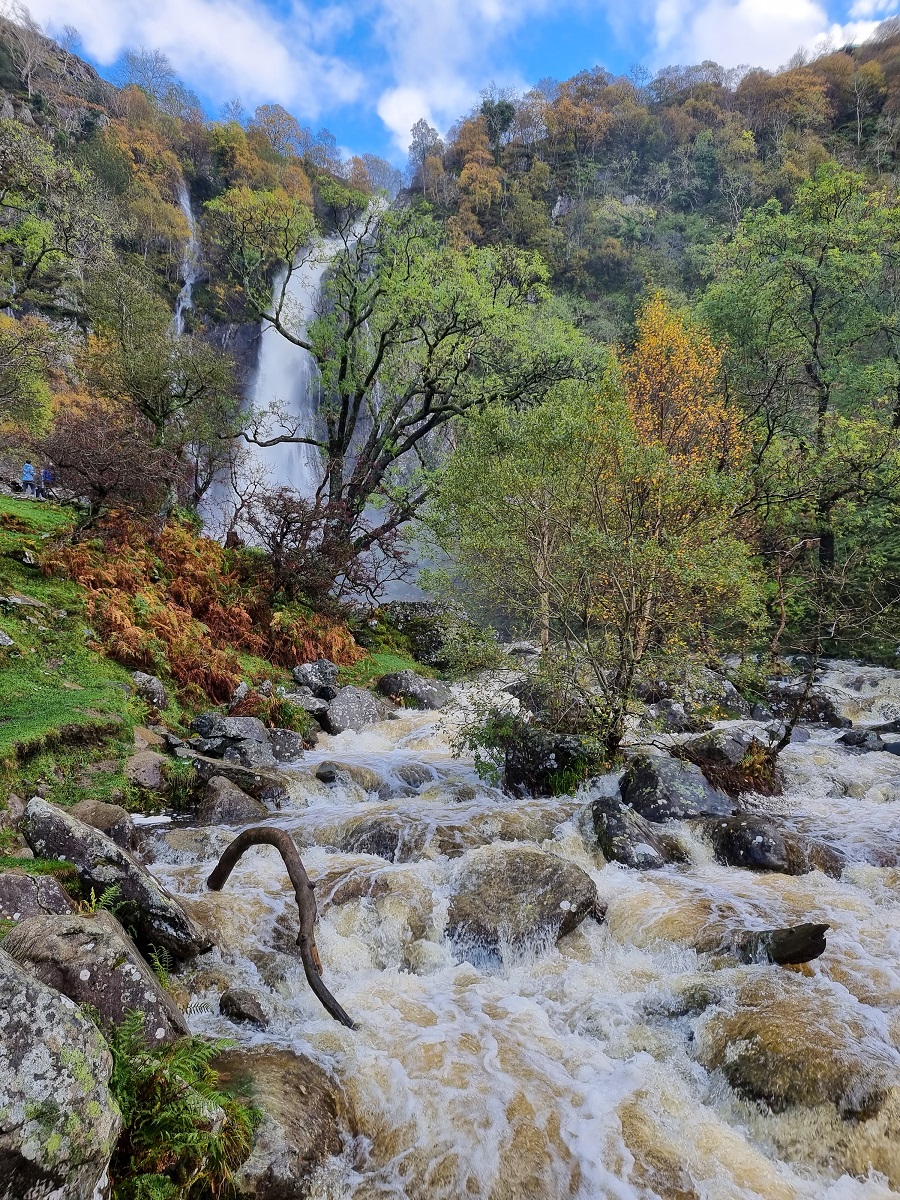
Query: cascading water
{"x": 288, "y": 377}
{"x": 190, "y": 261}
{"x": 596, "y": 1069}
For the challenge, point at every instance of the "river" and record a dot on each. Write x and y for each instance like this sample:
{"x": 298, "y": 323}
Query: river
{"x": 596, "y": 1068}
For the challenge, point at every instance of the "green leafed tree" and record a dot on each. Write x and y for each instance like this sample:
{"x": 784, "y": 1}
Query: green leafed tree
{"x": 806, "y": 301}
{"x": 410, "y": 335}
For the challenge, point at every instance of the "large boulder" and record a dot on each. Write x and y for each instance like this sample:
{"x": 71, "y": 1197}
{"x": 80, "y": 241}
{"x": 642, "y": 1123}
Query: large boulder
{"x": 866, "y": 741}
{"x": 783, "y": 1041}
{"x": 243, "y": 1005}
{"x": 661, "y": 788}
{"x": 818, "y": 708}
{"x": 261, "y": 784}
{"x": 540, "y": 763}
{"x": 92, "y": 960}
{"x": 305, "y": 1120}
{"x": 145, "y": 905}
{"x": 626, "y": 837}
{"x": 515, "y": 896}
{"x": 224, "y": 803}
{"x": 243, "y": 740}
{"x": 58, "y": 1120}
{"x": 24, "y": 896}
{"x": 151, "y": 690}
{"x": 761, "y": 843}
{"x": 111, "y": 819}
{"x": 320, "y": 677}
{"x": 670, "y": 716}
{"x": 304, "y": 698}
{"x": 352, "y": 708}
{"x": 724, "y": 747}
{"x": 413, "y": 690}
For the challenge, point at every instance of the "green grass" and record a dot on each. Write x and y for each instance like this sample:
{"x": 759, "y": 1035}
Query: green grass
{"x": 53, "y": 687}
{"x": 382, "y": 662}
{"x": 62, "y": 871}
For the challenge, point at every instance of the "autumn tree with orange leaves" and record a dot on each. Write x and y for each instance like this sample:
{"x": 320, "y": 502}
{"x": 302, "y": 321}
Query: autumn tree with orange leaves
{"x": 603, "y": 521}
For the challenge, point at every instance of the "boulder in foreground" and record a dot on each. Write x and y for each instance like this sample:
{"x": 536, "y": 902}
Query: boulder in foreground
{"x": 515, "y": 895}
{"x": 145, "y": 905}
{"x": 58, "y": 1120}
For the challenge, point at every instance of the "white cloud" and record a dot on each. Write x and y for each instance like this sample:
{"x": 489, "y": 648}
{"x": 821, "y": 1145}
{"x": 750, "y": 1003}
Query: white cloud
{"x": 221, "y": 47}
{"x": 759, "y": 32}
{"x": 440, "y": 53}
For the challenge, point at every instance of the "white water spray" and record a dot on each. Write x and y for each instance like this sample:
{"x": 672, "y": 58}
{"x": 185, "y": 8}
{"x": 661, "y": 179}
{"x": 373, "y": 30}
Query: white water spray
{"x": 190, "y": 261}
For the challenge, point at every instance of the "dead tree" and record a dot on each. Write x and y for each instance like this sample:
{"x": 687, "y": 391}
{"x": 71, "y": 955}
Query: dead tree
{"x": 261, "y": 835}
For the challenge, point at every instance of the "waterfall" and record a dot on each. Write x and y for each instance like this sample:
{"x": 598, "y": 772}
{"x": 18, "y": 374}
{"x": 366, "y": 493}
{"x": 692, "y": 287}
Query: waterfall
{"x": 288, "y": 376}
{"x": 190, "y": 261}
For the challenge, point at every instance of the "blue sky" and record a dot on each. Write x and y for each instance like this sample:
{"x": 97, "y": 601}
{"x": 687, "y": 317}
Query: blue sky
{"x": 368, "y": 69}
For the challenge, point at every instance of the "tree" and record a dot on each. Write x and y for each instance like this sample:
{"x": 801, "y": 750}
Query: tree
{"x": 806, "y": 300}
{"x": 606, "y": 519}
{"x": 26, "y": 353}
{"x": 28, "y": 43}
{"x": 103, "y": 452}
{"x": 281, "y": 130}
{"x": 425, "y": 143}
{"x": 498, "y": 113}
{"x": 149, "y": 70}
{"x": 410, "y": 335}
{"x": 383, "y": 177}
{"x": 182, "y": 386}
{"x": 52, "y": 221}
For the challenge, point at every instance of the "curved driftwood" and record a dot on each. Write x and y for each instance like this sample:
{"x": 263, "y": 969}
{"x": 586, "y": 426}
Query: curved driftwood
{"x": 260, "y": 835}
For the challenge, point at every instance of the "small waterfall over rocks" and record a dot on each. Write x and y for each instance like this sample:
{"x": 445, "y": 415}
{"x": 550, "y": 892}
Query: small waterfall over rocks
{"x": 190, "y": 261}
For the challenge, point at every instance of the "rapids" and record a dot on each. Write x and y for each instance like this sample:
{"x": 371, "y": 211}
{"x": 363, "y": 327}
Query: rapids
{"x": 595, "y": 1068}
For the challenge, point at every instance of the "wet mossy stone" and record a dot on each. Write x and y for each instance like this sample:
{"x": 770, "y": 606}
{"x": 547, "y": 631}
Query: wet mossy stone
{"x": 58, "y": 1120}
{"x": 626, "y": 837}
{"x": 660, "y": 788}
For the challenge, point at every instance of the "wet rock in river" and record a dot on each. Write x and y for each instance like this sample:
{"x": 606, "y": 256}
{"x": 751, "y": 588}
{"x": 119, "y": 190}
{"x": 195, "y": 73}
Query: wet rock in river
{"x": 147, "y": 907}
{"x": 243, "y": 1005}
{"x": 261, "y": 784}
{"x": 352, "y": 708}
{"x": 747, "y": 841}
{"x": 785, "y": 1041}
{"x": 111, "y": 819}
{"x": 306, "y": 1120}
{"x": 626, "y": 837}
{"x": 329, "y": 772}
{"x": 304, "y": 698}
{"x": 224, "y": 803}
{"x": 516, "y": 895}
{"x": 93, "y": 961}
{"x": 389, "y": 836}
{"x": 414, "y": 691}
{"x": 24, "y": 895}
{"x": 762, "y": 844}
{"x": 867, "y": 741}
{"x": 818, "y": 709}
{"x": 661, "y": 788}
{"x": 319, "y": 677}
{"x": 541, "y": 763}
{"x": 670, "y": 716}
{"x": 787, "y": 947}
{"x": 58, "y": 1120}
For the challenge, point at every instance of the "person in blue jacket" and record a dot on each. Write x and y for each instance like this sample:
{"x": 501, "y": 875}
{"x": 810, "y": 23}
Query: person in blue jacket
{"x": 28, "y": 478}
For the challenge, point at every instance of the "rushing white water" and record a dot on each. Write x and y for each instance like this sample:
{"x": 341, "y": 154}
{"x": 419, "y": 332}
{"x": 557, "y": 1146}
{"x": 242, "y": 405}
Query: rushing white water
{"x": 190, "y": 261}
{"x": 585, "y": 1070}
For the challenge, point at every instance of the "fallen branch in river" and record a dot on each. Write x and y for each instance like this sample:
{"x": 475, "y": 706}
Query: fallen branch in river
{"x": 260, "y": 835}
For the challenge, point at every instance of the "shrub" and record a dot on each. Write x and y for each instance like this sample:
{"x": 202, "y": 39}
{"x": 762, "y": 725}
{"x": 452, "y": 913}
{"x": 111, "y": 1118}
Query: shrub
{"x": 182, "y": 1138}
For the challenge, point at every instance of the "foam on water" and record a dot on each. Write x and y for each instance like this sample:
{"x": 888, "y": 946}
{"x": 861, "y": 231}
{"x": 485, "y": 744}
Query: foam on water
{"x": 571, "y": 1070}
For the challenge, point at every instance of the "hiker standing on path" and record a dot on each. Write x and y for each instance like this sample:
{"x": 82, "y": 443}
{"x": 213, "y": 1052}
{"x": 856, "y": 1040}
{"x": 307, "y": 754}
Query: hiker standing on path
{"x": 48, "y": 478}
{"x": 28, "y": 479}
